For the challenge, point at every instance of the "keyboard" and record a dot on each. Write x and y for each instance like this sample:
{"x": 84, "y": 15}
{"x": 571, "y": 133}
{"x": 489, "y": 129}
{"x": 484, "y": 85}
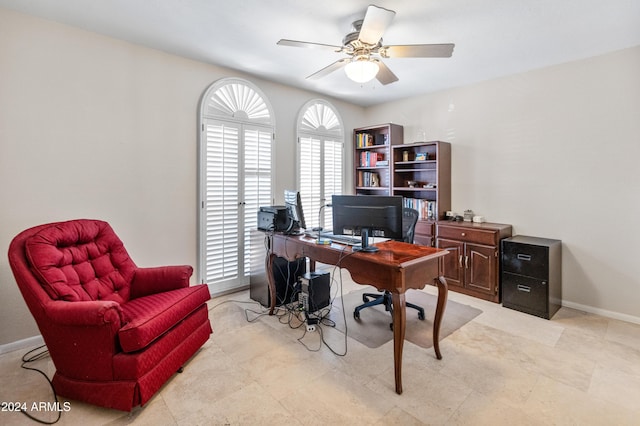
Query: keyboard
{"x": 343, "y": 239}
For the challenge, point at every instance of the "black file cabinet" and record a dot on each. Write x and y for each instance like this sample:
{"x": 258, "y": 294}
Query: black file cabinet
{"x": 532, "y": 275}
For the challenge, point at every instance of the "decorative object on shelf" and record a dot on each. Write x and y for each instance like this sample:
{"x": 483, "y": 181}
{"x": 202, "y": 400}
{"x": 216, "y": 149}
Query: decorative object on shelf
{"x": 421, "y": 156}
{"x": 412, "y": 183}
{"x": 468, "y": 215}
{"x": 405, "y": 156}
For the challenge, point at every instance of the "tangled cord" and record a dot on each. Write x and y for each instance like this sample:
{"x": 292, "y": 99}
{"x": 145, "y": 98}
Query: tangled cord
{"x": 28, "y": 358}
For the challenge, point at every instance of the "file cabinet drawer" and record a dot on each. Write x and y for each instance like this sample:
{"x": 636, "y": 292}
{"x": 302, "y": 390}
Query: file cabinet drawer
{"x": 525, "y": 294}
{"x": 525, "y": 259}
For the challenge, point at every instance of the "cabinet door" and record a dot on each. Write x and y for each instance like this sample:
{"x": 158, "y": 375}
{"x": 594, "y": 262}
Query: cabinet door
{"x": 481, "y": 267}
{"x": 452, "y": 263}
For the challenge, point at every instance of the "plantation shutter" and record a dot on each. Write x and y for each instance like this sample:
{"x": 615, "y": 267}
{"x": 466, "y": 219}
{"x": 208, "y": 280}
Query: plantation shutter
{"x": 310, "y": 179}
{"x": 236, "y": 145}
{"x": 222, "y": 201}
{"x": 257, "y": 185}
{"x": 333, "y": 171}
{"x": 320, "y": 160}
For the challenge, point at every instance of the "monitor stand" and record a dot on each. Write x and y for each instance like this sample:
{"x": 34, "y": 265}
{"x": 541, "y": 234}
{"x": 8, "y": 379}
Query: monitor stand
{"x": 364, "y": 246}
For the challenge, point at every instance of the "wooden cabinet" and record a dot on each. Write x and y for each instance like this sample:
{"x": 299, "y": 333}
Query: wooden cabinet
{"x": 472, "y": 265}
{"x": 372, "y": 157}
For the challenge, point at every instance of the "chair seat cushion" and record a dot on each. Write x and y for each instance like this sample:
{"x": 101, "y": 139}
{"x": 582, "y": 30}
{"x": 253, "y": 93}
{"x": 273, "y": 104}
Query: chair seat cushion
{"x": 149, "y": 317}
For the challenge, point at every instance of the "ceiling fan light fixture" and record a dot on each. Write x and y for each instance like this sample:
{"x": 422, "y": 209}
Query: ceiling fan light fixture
{"x": 361, "y": 70}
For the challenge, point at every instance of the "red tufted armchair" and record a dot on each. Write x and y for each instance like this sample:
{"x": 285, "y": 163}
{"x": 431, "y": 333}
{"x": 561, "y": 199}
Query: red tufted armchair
{"x": 116, "y": 332}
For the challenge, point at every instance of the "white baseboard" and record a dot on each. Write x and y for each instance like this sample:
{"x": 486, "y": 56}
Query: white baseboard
{"x": 27, "y": 343}
{"x": 601, "y": 312}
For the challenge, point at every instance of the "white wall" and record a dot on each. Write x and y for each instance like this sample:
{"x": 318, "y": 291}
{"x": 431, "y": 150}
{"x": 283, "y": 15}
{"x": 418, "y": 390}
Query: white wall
{"x": 554, "y": 152}
{"x": 98, "y": 128}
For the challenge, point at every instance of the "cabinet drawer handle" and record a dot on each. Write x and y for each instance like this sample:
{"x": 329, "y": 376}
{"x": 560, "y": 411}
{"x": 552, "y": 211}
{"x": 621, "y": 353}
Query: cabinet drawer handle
{"x": 463, "y": 234}
{"x": 523, "y": 257}
{"x": 466, "y": 262}
{"x": 524, "y": 288}
{"x": 460, "y": 261}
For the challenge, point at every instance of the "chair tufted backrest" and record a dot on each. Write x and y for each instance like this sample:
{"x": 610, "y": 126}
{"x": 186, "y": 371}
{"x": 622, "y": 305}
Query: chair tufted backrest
{"x": 81, "y": 260}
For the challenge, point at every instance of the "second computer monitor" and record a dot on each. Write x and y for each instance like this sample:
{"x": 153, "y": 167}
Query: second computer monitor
{"x": 293, "y": 203}
{"x": 368, "y": 215}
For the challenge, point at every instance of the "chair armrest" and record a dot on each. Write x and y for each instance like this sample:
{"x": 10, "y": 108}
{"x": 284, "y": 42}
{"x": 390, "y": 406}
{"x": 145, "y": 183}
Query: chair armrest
{"x": 82, "y": 314}
{"x": 148, "y": 281}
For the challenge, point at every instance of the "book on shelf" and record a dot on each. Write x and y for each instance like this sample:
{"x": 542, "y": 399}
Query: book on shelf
{"x": 368, "y": 179}
{"x": 426, "y": 209}
{"x": 364, "y": 140}
{"x": 371, "y": 159}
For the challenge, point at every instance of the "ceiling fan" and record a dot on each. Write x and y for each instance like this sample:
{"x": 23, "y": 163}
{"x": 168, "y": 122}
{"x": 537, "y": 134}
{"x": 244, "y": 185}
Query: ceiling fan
{"x": 364, "y": 47}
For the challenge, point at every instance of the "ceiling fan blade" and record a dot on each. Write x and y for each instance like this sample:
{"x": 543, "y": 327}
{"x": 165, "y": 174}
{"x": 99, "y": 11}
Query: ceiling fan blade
{"x": 329, "y": 69}
{"x": 309, "y": 45}
{"x": 418, "y": 51}
{"x": 376, "y": 20}
{"x": 385, "y": 76}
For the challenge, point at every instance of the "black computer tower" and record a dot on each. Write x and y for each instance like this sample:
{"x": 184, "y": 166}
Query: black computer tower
{"x": 315, "y": 291}
{"x": 285, "y": 276}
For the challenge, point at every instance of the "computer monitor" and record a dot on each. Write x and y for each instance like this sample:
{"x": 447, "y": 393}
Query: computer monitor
{"x": 293, "y": 202}
{"x": 368, "y": 215}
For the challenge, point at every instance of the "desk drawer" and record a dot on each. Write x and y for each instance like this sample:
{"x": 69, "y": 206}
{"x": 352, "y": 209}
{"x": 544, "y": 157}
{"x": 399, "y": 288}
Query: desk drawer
{"x": 424, "y": 227}
{"x": 424, "y": 233}
{"x": 479, "y": 236}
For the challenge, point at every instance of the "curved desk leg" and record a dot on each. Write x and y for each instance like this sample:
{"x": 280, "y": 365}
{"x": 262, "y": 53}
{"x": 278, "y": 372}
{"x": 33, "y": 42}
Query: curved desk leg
{"x": 272, "y": 285}
{"x": 441, "y": 283}
{"x": 399, "y": 324}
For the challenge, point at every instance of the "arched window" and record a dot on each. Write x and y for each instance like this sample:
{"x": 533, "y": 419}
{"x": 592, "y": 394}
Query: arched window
{"x": 236, "y": 145}
{"x": 320, "y": 159}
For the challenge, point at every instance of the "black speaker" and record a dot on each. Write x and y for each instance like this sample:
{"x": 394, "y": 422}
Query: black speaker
{"x": 285, "y": 275}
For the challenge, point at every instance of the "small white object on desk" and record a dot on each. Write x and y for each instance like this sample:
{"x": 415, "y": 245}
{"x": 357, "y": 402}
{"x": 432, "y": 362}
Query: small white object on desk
{"x": 478, "y": 219}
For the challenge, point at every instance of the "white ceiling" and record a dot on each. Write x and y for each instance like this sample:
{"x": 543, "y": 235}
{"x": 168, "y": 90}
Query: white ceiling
{"x": 493, "y": 38}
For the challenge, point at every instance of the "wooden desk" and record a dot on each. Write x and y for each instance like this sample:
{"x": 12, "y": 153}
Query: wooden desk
{"x": 396, "y": 267}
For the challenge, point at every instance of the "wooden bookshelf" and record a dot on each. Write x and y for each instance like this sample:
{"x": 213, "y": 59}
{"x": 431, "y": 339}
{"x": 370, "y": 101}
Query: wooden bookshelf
{"x": 373, "y": 157}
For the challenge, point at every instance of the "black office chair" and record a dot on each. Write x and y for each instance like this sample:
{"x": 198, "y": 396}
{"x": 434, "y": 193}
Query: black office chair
{"x": 409, "y": 220}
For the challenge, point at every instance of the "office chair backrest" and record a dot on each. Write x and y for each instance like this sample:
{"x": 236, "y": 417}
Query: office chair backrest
{"x": 409, "y": 220}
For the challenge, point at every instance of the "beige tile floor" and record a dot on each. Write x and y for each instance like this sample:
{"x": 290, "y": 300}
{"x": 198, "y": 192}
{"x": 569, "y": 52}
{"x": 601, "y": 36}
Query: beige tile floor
{"x": 503, "y": 367}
